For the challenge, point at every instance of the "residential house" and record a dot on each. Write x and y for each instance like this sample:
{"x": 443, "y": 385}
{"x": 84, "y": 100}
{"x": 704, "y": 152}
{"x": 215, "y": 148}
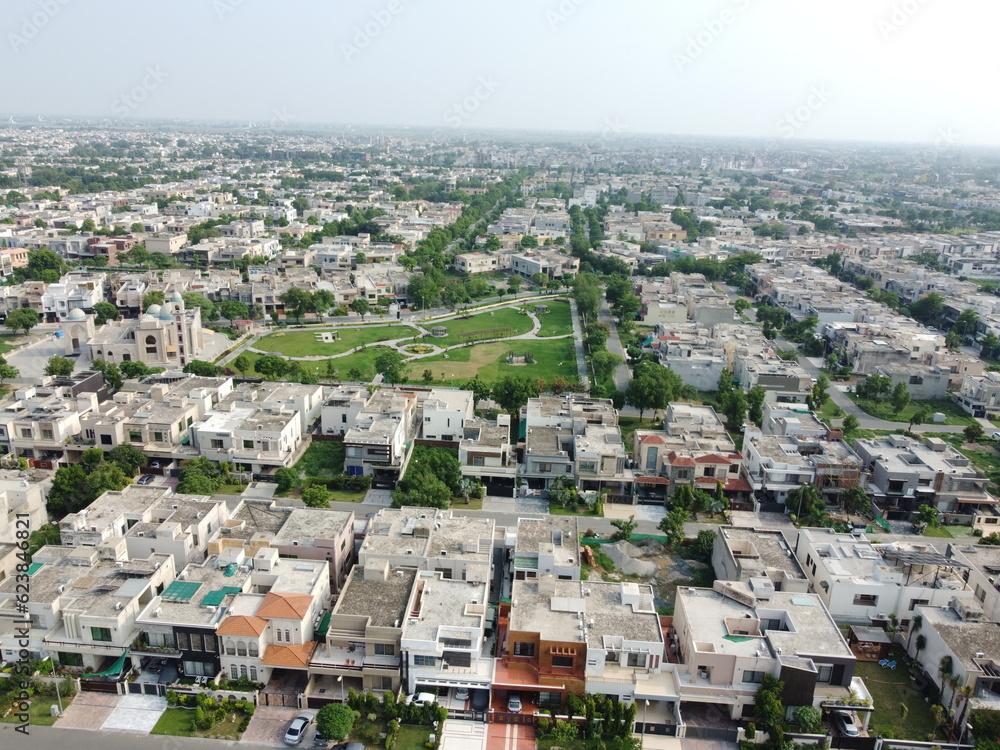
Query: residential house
{"x": 485, "y": 455}
{"x": 547, "y": 546}
{"x": 742, "y": 553}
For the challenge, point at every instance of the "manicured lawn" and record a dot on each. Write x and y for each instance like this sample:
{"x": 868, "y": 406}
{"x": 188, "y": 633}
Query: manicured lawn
{"x": 9, "y": 343}
{"x": 629, "y": 425}
{"x": 348, "y": 496}
{"x": 364, "y": 361}
{"x": 411, "y": 738}
{"x": 890, "y": 690}
{"x": 505, "y": 317}
{"x": 231, "y": 489}
{"x": 552, "y": 358}
{"x": 939, "y": 532}
{"x": 883, "y": 410}
{"x": 38, "y": 711}
{"x": 557, "y": 321}
{"x": 322, "y": 459}
{"x": 557, "y": 510}
{"x": 308, "y": 344}
{"x": 179, "y": 722}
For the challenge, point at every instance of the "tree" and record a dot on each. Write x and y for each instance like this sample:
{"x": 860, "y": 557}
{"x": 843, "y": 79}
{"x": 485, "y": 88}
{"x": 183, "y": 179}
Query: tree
{"x": 874, "y": 387}
{"x": 196, "y": 485}
{"x": 973, "y": 433}
{"x": 856, "y": 501}
{"x": 809, "y": 719}
{"x": 422, "y": 490}
{"x": 604, "y": 364}
{"x": 111, "y": 372}
{"x": 539, "y": 279}
{"x": 209, "y": 311}
{"x": 45, "y": 265}
{"x": 741, "y": 305}
{"x": 928, "y": 516}
{"x": 91, "y": 458}
{"x": 587, "y": 293}
{"x": 672, "y": 525}
{"x": 107, "y": 477}
{"x": 627, "y": 307}
{"x": 819, "y": 395}
{"x": 202, "y": 369}
{"x": 361, "y": 307}
{"x": 427, "y": 377}
{"x": 297, "y": 300}
{"x": 128, "y": 457}
{"x": 920, "y": 415}
{"x": 67, "y": 494}
{"x": 243, "y": 364}
{"x": 391, "y": 365}
{"x": 755, "y": 404}
{"x": 928, "y": 310}
{"x": 514, "y": 284}
{"x": 808, "y": 505}
{"x": 768, "y": 707}
{"x": 135, "y": 370}
{"x": 317, "y": 496}
{"x": 286, "y": 478}
{"x": 643, "y": 393}
{"x": 511, "y": 392}
{"x": 734, "y": 406}
{"x": 335, "y": 721}
{"x": 322, "y": 301}
{"x": 271, "y": 366}
{"x": 480, "y": 390}
{"x": 22, "y": 318}
{"x": 233, "y": 309}
{"x": 850, "y": 424}
{"x": 152, "y": 297}
{"x": 625, "y": 528}
{"x": 103, "y": 312}
{"x": 59, "y": 366}
{"x": 900, "y": 397}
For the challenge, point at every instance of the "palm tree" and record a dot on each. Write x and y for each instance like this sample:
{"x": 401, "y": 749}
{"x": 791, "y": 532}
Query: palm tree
{"x": 915, "y": 624}
{"x": 921, "y": 644}
{"x": 965, "y": 694}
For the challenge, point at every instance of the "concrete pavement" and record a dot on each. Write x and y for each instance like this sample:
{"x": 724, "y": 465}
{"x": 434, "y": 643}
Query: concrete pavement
{"x": 622, "y": 373}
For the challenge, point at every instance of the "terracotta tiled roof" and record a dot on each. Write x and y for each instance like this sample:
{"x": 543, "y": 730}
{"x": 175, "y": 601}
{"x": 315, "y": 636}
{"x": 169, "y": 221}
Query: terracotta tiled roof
{"x": 676, "y": 460}
{"x": 652, "y": 480}
{"x": 295, "y": 657}
{"x": 242, "y": 625}
{"x": 657, "y": 439}
{"x": 285, "y": 606}
{"x": 712, "y": 458}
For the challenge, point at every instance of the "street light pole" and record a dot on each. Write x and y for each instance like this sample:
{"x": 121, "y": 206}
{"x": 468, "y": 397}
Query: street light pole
{"x": 961, "y": 736}
{"x": 340, "y": 679}
{"x": 642, "y": 740}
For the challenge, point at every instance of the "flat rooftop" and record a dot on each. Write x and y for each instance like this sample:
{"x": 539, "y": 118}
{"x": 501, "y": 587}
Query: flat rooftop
{"x": 534, "y": 532}
{"x": 211, "y": 577}
{"x": 427, "y": 532}
{"x": 379, "y": 594}
{"x": 306, "y": 525}
{"x": 760, "y": 550}
{"x": 965, "y": 639}
{"x": 445, "y": 603}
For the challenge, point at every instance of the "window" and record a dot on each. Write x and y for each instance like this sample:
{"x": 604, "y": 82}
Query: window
{"x": 919, "y": 603}
{"x": 196, "y": 642}
{"x": 445, "y": 572}
{"x": 101, "y": 634}
{"x": 183, "y": 642}
{"x": 217, "y": 444}
{"x": 545, "y": 467}
{"x": 478, "y": 461}
{"x": 562, "y": 661}
{"x": 865, "y": 600}
{"x": 288, "y": 638}
{"x": 524, "y": 649}
{"x": 252, "y": 649}
{"x": 590, "y": 466}
{"x": 243, "y": 670}
{"x": 382, "y": 683}
{"x": 419, "y": 660}
{"x": 709, "y": 471}
{"x": 682, "y": 474}
{"x": 232, "y": 672}
{"x": 385, "y": 649}
{"x": 134, "y": 436}
{"x": 751, "y": 676}
{"x": 241, "y": 649}
{"x": 105, "y": 440}
{"x": 636, "y": 660}
{"x": 278, "y": 634}
{"x": 26, "y": 432}
{"x": 157, "y": 437}
{"x": 650, "y": 459}
{"x": 248, "y": 443}
{"x": 253, "y": 673}
{"x": 825, "y": 673}
{"x": 545, "y": 698}
{"x": 230, "y": 648}
{"x": 47, "y": 435}
{"x": 210, "y": 644}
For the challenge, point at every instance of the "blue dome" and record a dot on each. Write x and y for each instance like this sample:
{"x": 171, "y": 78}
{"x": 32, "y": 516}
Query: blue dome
{"x": 153, "y": 309}
{"x": 177, "y": 297}
{"x": 167, "y": 312}
{"x": 76, "y": 314}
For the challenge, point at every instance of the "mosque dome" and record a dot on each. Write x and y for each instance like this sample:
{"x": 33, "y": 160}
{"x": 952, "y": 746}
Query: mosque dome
{"x": 76, "y": 314}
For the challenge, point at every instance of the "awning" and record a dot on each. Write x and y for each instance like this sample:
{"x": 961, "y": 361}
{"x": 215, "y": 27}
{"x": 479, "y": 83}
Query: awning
{"x": 114, "y": 669}
{"x": 324, "y": 626}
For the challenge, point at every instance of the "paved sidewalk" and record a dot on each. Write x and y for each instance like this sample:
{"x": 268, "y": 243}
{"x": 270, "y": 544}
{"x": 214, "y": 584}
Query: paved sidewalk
{"x": 88, "y": 711}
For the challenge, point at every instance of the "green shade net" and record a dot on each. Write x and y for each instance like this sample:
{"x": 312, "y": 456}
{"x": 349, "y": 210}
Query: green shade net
{"x": 214, "y": 598}
{"x": 737, "y": 638}
{"x": 115, "y": 668}
{"x": 324, "y": 626}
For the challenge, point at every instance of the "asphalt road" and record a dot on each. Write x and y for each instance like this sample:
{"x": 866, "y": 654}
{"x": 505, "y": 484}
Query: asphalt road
{"x": 82, "y": 739}
{"x": 614, "y": 345}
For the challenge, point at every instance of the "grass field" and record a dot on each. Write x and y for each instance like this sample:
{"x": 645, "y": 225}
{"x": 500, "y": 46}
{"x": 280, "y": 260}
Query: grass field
{"x": 890, "y": 690}
{"x": 506, "y": 317}
{"x": 10, "y": 343}
{"x": 179, "y": 722}
{"x": 38, "y": 711}
{"x": 364, "y": 361}
{"x": 322, "y": 459}
{"x": 984, "y": 457}
{"x": 552, "y": 358}
{"x": 883, "y": 410}
{"x": 557, "y": 321}
{"x": 306, "y": 343}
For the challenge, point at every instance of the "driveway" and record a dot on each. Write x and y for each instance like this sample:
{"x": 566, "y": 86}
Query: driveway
{"x": 529, "y": 504}
{"x": 268, "y": 725}
{"x": 463, "y": 735}
{"x": 135, "y": 713}
{"x": 88, "y": 711}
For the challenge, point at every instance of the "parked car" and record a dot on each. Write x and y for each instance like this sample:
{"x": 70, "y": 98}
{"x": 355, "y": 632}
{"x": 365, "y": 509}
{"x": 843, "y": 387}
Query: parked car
{"x": 349, "y": 746}
{"x": 995, "y": 436}
{"x": 297, "y": 729}
{"x": 146, "y": 479}
{"x": 155, "y": 463}
{"x": 420, "y": 699}
{"x": 844, "y": 722}
{"x": 462, "y": 694}
{"x": 514, "y": 703}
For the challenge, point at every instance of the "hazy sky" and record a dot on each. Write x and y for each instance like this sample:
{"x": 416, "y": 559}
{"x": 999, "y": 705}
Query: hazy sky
{"x": 890, "y": 70}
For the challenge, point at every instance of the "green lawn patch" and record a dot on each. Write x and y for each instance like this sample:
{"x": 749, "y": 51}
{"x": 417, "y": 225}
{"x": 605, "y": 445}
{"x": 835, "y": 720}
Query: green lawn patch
{"x": 231, "y": 489}
{"x": 411, "y": 738}
{"x": 883, "y": 410}
{"x": 984, "y": 457}
{"x": 179, "y": 722}
{"x": 364, "y": 361}
{"x": 629, "y": 425}
{"x": 308, "y": 344}
{"x": 489, "y": 361}
{"x": 9, "y": 343}
{"x": 324, "y": 459}
{"x": 938, "y": 532}
{"x": 558, "y": 321}
{"x": 348, "y": 496}
{"x": 505, "y": 317}
{"x": 555, "y": 509}
{"x": 890, "y": 690}
{"x": 38, "y": 711}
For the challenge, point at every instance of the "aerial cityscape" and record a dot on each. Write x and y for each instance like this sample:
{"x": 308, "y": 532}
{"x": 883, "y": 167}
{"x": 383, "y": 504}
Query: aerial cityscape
{"x": 429, "y": 407}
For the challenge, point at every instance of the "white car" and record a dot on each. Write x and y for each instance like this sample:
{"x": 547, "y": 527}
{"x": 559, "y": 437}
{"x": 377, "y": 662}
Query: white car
{"x": 297, "y": 729}
{"x": 995, "y": 436}
{"x": 514, "y": 703}
{"x": 420, "y": 699}
{"x": 462, "y": 694}
{"x": 844, "y": 721}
